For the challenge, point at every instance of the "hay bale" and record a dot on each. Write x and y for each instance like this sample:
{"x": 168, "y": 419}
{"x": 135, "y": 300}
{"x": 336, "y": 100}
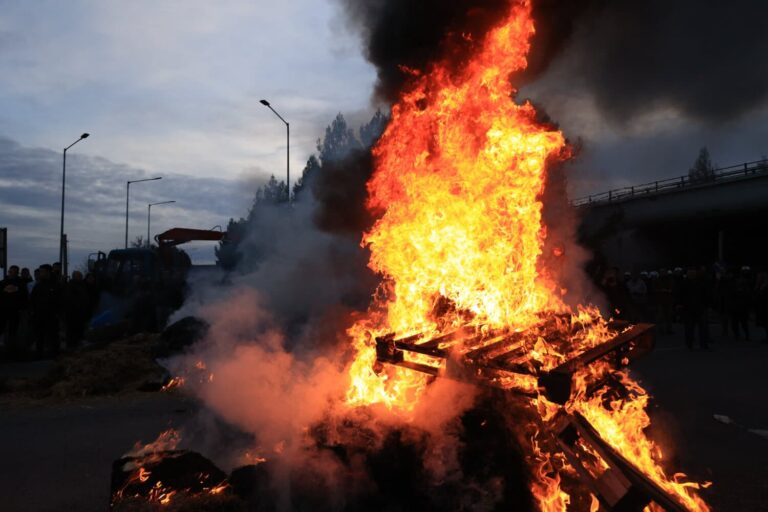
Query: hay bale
{"x": 123, "y": 366}
{"x": 180, "y": 335}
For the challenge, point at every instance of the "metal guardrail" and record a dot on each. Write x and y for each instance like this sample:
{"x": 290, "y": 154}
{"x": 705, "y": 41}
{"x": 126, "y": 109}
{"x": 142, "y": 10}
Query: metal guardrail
{"x": 722, "y": 174}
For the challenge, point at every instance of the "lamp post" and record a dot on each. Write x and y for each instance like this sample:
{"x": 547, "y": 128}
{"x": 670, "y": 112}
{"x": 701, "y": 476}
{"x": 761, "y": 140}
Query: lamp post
{"x": 63, "y": 185}
{"x": 149, "y": 216}
{"x": 127, "y": 193}
{"x": 287, "y": 147}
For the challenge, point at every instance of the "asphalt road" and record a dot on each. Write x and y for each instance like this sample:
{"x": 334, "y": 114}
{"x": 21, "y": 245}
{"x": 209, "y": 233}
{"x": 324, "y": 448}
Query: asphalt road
{"x": 58, "y": 457}
{"x": 689, "y": 388}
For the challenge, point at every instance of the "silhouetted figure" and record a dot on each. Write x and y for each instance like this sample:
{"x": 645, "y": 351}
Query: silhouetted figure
{"x": 94, "y": 293}
{"x": 678, "y": 277}
{"x": 45, "y": 301}
{"x": 663, "y": 290}
{"x": 56, "y": 272}
{"x": 25, "y": 275}
{"x": 723, "y": 294}
{"x": 615, "y": 292}
{"x": 761, "y": 302}
{"x": 77, "y": 309}
{"x": 31, "y": 284}
{"x": 13, "y": 300}
{"x": 740, "y": 302}
{"x": 694, "y": 302}
{"x": 638, "y": 293}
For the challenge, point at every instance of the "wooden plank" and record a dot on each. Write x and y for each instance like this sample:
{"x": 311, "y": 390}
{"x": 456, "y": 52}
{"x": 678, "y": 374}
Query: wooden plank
{"x": 639, "y": 480}
{"x": 453, "y": 336}
{"x": 503, "y": 343}
{"x": 419, "y": 367}
{"x": 420, "y": 349}
{"x": 595, "y": 353}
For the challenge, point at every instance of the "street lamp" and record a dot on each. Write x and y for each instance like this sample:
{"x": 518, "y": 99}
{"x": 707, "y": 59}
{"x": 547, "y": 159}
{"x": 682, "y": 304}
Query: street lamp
{"x": 127, "y": 192}
{"x": 287, "y": 147}
{"x": 62, "y": 249}
{"x": 149, "y": 216}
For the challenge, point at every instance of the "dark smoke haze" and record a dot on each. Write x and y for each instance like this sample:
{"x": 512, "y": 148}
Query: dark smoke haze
{"x": 340, "y": 191}
{"x": 705, "y": 59}
{"x": 399, "y": 33}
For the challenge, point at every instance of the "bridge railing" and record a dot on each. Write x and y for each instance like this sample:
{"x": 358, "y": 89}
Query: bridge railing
{"x": 719, "y": 175}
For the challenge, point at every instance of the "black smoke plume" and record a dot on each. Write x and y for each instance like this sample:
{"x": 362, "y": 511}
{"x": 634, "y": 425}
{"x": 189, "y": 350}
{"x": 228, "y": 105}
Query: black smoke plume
{"x": 397, "y": 33}
{"x": 340, "y": 192}
{"x": 705, "y": 59}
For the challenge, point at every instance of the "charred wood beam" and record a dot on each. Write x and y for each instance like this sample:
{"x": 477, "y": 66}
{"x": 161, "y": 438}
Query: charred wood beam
{"x": 620, "y": 488}
{"x": 630, "y": 344}
{"x": 496, "y": 346}
{"x": 508, "y": 354}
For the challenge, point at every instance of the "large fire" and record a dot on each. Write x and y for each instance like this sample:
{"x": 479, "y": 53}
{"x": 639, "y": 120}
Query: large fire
{"x": 458, "y": 179}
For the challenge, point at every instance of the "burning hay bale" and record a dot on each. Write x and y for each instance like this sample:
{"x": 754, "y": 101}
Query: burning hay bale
{"x": 158, "y": 476}
{"x": 172, "y": 480}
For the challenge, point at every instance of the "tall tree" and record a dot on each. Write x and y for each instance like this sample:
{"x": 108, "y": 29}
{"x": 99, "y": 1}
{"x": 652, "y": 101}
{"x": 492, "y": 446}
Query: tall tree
{"x": 227, "y": 254}
{"x": 336, "y": 175}
{"x": 339, "y": 140}
{"x": 372, "y": 130}
{"x": 309, "y": 173}
{"x": 702, "y": 169}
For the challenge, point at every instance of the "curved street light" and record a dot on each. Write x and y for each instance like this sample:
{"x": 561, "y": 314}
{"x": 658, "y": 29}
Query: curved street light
{"x": 149, "y": 216}
{"x": 62, "y": 245}
{"x": 287, "y": 147}
{"x": 127, "y": 193}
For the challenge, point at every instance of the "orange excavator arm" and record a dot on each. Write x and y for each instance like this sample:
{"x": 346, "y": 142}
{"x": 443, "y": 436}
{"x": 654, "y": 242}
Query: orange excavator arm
{"x": 178, "y": 236}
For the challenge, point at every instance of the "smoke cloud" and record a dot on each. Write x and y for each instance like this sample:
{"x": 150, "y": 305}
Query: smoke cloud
{"x": 291, "y": 403}
{"x": 703, "y": 59}
{"x": 340, "y": 192}
{"x": 397, "y": 33}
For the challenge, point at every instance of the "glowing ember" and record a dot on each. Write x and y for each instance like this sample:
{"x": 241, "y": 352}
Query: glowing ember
{"x": 457, "y": 182}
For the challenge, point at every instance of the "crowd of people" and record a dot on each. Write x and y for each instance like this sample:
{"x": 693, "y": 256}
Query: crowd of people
{"x": 40, "y": 310}
{"x": 695, "y": 297}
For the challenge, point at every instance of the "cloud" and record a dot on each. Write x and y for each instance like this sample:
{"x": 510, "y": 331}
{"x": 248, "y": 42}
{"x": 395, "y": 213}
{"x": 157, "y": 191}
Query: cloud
{"x": 644, "y": 85}
{"x": 30, "y": 199}
{"x": 176, "y": 84}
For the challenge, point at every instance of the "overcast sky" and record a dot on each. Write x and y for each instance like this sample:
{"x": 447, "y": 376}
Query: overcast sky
{"x": 171, "y": 88}
{"x": 166, "y": 88}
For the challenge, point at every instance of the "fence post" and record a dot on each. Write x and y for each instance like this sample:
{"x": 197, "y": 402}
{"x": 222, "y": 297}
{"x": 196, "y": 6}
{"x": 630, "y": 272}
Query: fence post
{"x": 610, "y": 195}
{"x": 656, "y": 183}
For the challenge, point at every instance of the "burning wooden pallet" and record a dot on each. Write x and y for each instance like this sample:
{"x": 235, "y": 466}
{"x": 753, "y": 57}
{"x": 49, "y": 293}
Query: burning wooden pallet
{"x": 502, "y": 360}
{"x": 490, "y": 358}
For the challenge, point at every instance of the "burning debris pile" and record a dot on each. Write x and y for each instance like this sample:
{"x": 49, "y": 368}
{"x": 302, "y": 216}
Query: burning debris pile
{"x": 474, "y": 381}
{"x": 459, "y": 176}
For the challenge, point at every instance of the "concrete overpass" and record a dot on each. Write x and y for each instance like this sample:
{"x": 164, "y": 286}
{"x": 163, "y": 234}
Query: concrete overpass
{"x": 682, "y": 221}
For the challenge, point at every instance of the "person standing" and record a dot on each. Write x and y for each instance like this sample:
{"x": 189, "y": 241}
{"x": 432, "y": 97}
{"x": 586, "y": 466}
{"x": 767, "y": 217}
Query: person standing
{"x": 761, "y": 302}
{"x": 45, "y": 301}
{"x": 77, "y": 310}
{"x": 638, "y": 292}
{"x": 13, "y": 300}
{"x": 694, "y": 302}
{"x": 665, "y": 300}
{"x": 740, "y": 302}
{"x": 94, "y": 294}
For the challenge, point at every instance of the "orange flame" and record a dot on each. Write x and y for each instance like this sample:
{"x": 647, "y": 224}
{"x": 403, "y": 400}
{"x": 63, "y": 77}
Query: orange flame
{"x": 457, "y": 182}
